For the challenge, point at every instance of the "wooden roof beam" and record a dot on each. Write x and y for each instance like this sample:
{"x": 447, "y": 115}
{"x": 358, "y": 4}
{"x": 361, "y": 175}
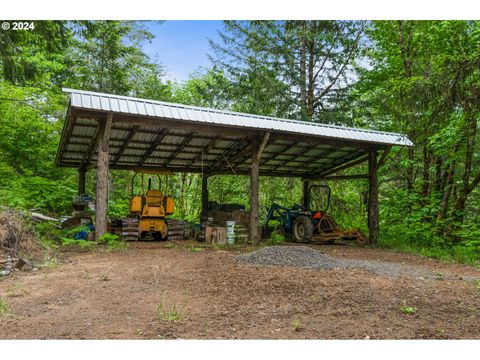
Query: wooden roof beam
{"x": 206, "y": 148}
{"x": 158, "y": 139}
{"x": 124, "y": 146}
{"x": 179, "y": 148}
{"x": 339, "y": 166}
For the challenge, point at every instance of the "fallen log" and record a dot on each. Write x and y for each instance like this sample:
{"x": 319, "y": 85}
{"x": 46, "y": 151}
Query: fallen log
{"x": 41, "y": 217}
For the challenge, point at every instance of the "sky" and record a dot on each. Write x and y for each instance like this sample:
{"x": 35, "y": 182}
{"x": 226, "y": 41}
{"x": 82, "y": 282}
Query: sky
{"x": 181, "y": 45}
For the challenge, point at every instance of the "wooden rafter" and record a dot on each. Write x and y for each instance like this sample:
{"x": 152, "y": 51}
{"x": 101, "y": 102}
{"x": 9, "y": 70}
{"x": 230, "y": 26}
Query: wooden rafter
{"x": 293, "y": 156}
{"x": 87, "y": 155}
{"x": 179, "y": 148}
{"x": 206, "y": 148}
{"x": 232, "y": 150}
{"x": 339, "y": 166}
{"x": 383, "y": 158}
{"x": 130, "y": 135}
{"x": 158, "y": 139}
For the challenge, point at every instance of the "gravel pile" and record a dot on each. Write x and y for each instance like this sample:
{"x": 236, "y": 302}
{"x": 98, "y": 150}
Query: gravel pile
{"x": 309, "y": 258}
{"x": 296, "y": 256}
{"x": 386, "y": 268}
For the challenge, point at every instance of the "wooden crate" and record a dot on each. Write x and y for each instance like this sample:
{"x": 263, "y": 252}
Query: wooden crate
{"x": 215, "y": 235}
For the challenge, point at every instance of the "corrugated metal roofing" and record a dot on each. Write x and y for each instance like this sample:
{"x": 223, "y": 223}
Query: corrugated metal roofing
{"x": 127, "y": 105}
{"x": 314, "y": 151}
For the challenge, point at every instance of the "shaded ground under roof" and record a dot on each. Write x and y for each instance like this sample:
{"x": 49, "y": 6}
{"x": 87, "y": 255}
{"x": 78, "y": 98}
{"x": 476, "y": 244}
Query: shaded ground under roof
{"x": 148, "y": 134}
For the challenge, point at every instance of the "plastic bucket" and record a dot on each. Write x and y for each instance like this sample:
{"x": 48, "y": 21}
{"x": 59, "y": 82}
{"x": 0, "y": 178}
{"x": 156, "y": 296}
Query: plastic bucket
{"x": 230, "y": 232}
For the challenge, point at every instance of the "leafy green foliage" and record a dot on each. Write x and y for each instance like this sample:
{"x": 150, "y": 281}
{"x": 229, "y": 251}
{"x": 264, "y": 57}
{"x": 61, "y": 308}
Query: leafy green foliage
{"x": 276, "y": 238}
{"x": 113, "y": 242}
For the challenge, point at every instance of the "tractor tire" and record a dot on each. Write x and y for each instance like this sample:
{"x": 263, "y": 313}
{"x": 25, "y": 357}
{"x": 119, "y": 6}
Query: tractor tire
{"x": 302, "y": 229}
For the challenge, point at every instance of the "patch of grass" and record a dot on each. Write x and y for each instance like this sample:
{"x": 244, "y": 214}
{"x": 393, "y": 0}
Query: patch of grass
{"x": 138, "y": 332}
{"x": 113, "y": 242}
{"x": 104, "y": 277}
{"x": 296, "y": 324}
{"x": 440, "y": 276}
{"x": 82, "y": 244}
{"x": 4, "y": 307}
{"x": 16, "y": 290}
{"x": 195, "y": 248}
{"x": 171, "y": 313}
{"x": 169, "y": 245}
{"x": 477, "y": 284}
{"x": 409, "y": 310}
{"x": 50, "y": 262}
{"x": 395, "y": 239}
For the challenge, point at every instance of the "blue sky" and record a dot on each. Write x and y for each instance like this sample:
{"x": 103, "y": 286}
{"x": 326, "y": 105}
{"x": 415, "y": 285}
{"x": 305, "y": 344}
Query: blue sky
{"x": 181, "y": 46}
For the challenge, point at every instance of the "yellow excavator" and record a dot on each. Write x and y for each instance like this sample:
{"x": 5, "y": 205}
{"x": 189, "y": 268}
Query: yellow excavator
{"x": 148, "y": 212}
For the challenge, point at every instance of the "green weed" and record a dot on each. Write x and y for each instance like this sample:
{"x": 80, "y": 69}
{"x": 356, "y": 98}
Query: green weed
{"x": 407, "y": 309}
{"x": 169, "y": 245}
{"x": 195, "y": 248}
{"x": 4, "y": 307}
{"x": 16, "y": 290}
{"x": 171, "y": 313}
{"x": 104, "y": 277}
{"x": 50, "y": 262}
{"x": 296, "y": 324}
{"x": 477, "y": 284}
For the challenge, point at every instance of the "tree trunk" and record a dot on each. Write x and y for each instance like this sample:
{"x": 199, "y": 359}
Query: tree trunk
{"x": 373, "y": 213}
{"x": 303, "y": 71}
{"x": 257, "y": 150}
{"x": 305, "y": 194}
{"x": 203, "y": 214}
{"x": 311, "y": 81}
{"x": 254, "y": 200}
{"x": 82, "y": 175}
{"x": 101, "y": 201}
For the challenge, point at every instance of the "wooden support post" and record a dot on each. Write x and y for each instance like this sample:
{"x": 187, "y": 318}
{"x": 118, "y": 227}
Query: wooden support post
{"x": 82, "y": 174}
{"x": 305, "y": 193}
{"x": 373, "y": 214}
{"x": 257, "y": 148}
{"x": 203, "y": 213}
{"x": 101, "y": 199}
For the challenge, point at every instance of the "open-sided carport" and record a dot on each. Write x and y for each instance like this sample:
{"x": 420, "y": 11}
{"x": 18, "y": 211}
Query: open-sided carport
{"x": 117, "y": 132}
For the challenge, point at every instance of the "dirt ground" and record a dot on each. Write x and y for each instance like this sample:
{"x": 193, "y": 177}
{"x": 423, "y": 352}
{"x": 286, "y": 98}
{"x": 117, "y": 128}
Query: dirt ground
{"x": 206, "y": 294}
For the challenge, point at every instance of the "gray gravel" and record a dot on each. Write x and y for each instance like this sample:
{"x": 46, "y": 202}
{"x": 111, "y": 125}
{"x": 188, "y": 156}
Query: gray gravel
{"x": 309, "y": 258}
{"x": 295, "y": 256}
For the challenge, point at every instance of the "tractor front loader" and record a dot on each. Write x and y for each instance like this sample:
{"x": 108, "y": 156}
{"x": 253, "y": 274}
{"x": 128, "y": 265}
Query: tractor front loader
{"x": 304, "y": 225}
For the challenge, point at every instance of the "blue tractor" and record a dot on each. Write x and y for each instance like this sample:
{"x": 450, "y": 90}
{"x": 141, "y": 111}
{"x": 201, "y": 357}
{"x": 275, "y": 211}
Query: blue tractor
{"x": 304, "y": 225}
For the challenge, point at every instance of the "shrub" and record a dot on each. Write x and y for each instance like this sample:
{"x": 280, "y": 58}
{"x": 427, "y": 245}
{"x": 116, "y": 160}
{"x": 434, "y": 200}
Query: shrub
{"x": 113, "y": 242}
{"x": 276, "y": 238}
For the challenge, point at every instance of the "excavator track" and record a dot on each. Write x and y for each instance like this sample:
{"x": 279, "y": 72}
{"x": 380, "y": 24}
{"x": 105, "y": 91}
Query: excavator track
{"x": 175, "y": 229}
{"x": 130, "y": 230}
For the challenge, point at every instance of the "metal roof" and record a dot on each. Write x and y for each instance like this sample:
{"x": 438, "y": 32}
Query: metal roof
{"x": 149, "y": 133}
{"x": 129, "y": 105}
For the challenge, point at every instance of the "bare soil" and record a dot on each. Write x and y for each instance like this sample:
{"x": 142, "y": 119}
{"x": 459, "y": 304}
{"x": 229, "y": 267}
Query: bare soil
{"x": 209, "y": 295}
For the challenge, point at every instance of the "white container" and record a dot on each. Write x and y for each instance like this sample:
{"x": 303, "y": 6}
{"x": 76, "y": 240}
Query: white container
{"x": 230, "y": 232}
